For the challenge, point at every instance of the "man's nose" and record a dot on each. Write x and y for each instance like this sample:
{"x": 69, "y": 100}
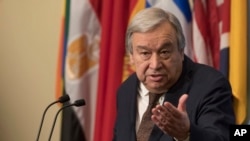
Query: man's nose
{"x": 155, "y": 61}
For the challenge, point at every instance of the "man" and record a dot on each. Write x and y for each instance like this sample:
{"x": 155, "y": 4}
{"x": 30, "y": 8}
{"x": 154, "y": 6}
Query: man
{"x": 195, "y": 101}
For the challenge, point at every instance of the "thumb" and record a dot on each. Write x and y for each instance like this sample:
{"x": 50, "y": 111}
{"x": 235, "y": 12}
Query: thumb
{"x": 182, "y": 102}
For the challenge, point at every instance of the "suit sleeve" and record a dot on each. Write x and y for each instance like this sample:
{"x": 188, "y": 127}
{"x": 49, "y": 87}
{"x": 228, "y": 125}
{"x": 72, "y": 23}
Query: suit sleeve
{"x": 213, "y": 109}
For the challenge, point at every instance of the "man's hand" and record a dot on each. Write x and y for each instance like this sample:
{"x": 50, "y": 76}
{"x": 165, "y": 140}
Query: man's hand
{"x": 171, "y": 120}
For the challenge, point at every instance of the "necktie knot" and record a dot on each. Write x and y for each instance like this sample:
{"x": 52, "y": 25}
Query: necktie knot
{"x": 153, "y": 98}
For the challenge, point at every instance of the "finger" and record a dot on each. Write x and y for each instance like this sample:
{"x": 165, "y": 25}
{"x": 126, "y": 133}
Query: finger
{"x": 161, "y": 108}
{"x": 155, "y": 119}
{"x": 156, "y": 115}
{"x": 171, "y": 110}
{"x": 166, "y": 128}
{"x": 182, "y": 103}
{"x": 159, "y": 115}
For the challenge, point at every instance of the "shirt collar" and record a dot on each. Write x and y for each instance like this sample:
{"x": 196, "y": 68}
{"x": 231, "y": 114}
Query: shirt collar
{"x": 143, "y": 91}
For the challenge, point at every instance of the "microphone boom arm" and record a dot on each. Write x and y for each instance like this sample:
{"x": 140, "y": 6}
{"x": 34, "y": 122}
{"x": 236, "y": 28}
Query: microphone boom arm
{"x": 77, "y": 103}
{"x": 61, "y": 99}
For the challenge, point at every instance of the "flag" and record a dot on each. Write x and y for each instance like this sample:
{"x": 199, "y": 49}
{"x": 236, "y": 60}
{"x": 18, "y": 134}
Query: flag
{"x": 114, "y": 21}
{"x": 202, "y": 44}
{"x": 214, "y": 22}
{"x": 238, "y": 58}
{"x": 211, "y": 27}
{"x": 91, "y": 58}
{"x": 79, "y": 63}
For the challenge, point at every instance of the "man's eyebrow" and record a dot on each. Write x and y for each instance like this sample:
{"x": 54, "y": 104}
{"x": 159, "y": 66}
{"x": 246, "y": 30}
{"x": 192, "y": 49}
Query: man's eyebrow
{"x": 141, "y": 47}
{"x": 166, "y": 45}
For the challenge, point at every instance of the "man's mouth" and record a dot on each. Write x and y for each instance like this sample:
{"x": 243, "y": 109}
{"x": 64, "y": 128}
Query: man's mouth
{"x": 155, "y": 77}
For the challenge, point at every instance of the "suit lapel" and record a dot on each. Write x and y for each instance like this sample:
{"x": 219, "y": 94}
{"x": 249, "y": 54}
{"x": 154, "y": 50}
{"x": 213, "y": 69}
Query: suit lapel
{"x": 133, "y": 118}
{"x": 133, "y": 105}
{"x": 182, "y": 86}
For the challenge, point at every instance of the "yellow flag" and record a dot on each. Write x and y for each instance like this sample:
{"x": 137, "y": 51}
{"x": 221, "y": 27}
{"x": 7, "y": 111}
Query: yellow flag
{"x": 238, "y": 57}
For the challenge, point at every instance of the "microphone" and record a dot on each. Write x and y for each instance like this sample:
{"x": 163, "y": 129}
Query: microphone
{"x": 61, "y": 99}
{"x": 77, "y": 103}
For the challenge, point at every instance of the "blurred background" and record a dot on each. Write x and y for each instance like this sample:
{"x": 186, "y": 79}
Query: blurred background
{"x": 35, "y": 33}
{"x": 29, "y": 40}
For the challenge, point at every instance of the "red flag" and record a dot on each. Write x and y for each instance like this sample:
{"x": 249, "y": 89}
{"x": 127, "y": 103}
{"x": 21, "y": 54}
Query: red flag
{"x": 114, "y": 19}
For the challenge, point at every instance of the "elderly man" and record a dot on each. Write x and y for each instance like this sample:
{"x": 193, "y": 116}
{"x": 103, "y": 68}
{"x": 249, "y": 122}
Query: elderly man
{"x": 169, "y": 97}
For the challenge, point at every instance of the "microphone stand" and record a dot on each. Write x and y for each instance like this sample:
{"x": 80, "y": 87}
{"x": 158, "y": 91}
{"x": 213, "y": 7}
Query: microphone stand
{"x": 62, "y": 99}
{"x": 77, "y": 103}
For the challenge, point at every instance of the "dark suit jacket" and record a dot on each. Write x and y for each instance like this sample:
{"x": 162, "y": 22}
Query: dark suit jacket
{"x": 209, "y": 105}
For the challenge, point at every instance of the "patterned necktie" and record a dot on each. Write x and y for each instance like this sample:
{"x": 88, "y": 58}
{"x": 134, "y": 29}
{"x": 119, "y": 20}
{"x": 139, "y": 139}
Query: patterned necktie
{"x": 147, "y": 124}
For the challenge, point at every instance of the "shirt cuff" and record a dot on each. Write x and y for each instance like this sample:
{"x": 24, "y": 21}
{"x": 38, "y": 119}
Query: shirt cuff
{"x": 187, "y": 139}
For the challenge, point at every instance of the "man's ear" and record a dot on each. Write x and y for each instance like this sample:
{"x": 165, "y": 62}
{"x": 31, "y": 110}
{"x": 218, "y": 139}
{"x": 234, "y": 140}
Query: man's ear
{"x": 182, "y": 53}
{"x": 131, "y": 59}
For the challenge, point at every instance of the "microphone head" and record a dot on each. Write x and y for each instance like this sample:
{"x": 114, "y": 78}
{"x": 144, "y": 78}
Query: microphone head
{"x": 63, "y": 98}
{"x": 79, "y": 102}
